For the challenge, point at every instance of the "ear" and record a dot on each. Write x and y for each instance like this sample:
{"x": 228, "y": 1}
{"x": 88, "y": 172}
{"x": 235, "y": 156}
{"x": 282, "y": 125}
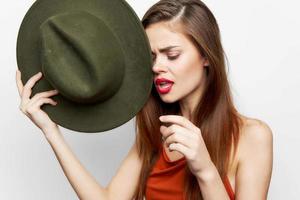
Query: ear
{"x": 206, "y": 62}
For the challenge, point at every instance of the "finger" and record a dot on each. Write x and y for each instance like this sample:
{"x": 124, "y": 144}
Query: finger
{"x": 163, "y": 132}
{"x": 180, "y": 120}
{"x": 46, "y": 94}
{"x": 28, "y": 86}
{"x": 179, "y": 137}
{"x": 42, "y": 101}
{"x": 36, "y": 106}
{"x": 19, "y": 82}
{"x": 167, "y": 131}
{"x": 180, "y": 148}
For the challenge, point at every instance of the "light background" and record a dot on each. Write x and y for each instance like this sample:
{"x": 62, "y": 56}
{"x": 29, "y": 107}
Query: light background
{"x": 261, "y": 40}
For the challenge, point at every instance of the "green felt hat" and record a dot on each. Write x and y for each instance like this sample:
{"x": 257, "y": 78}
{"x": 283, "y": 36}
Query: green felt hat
{"x": 95, "y": 53}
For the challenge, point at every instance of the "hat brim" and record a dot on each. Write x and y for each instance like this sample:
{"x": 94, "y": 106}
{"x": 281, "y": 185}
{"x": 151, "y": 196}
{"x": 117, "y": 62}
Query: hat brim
{"x": 138, "y": 79}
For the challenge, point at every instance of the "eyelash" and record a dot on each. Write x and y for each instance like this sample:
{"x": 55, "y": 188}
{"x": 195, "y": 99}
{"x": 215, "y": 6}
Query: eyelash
{"x": 173, "y": 57}
{"x": 169, "y": 57}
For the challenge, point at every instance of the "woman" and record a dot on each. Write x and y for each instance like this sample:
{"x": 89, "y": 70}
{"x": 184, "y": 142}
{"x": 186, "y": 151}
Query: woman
{"x": 201, "y": 147}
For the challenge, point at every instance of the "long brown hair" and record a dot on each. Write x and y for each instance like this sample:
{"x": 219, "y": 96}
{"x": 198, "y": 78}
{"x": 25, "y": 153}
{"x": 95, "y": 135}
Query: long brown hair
{"x": 215, "y": 114}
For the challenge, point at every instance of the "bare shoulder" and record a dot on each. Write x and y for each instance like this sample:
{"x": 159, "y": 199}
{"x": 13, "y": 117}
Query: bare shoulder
{"x": 255, "y": 159}
{"x": 255, "y": 132}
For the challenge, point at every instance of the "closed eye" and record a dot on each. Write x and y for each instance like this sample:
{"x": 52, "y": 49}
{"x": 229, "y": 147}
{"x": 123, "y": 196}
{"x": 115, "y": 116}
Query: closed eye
{"x": 173, "y": 57}
{"x": 169, "y": 57}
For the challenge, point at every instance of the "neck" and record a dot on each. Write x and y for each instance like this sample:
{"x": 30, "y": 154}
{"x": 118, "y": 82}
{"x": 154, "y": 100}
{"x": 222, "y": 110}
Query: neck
{"x": 188, "y": 103}
{"x": 187, "y": 108}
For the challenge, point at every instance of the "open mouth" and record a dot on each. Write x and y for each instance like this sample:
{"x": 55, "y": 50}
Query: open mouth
{"x": 164, "y": 88}
{"x": 165, "y": 84}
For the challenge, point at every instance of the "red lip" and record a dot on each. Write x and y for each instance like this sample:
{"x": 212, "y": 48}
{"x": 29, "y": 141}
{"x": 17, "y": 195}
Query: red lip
{"x": 163, "y": 90}
{"x": 159, "y": 80}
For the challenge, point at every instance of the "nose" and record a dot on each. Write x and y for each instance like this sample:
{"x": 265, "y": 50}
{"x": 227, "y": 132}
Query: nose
{"x": 159, "y": 67}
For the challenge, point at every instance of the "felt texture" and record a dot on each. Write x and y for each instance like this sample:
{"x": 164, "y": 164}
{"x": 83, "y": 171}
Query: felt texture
{"x": 95, "y": 53}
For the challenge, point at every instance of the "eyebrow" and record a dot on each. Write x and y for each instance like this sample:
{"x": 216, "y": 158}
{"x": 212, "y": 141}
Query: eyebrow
{"x": 165, "y": 49}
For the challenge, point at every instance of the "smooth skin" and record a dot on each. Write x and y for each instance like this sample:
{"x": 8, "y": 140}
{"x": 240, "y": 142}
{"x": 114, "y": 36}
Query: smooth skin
{"x": 250, "y": 170}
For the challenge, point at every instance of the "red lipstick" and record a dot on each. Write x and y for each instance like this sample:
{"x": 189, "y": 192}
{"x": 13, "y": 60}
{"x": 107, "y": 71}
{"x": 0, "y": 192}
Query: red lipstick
{"x": 163, "y": 85}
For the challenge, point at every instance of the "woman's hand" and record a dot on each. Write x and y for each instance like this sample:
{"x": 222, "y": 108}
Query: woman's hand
{"x": 31, "y": 107}
{"x": 184, "y": 137}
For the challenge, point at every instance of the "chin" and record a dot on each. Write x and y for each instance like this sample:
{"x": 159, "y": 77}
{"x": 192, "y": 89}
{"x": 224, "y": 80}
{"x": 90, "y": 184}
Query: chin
{"x": 168, "y": 99}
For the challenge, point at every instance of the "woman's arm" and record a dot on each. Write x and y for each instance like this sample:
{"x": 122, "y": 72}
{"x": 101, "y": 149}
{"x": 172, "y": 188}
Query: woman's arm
{"x": 211, "y": 185}
{"x": 82, "y": 182}
{"x": 85, "y": 186}
{"x": 255, "y": 162}
{"x": 255, "y": 159}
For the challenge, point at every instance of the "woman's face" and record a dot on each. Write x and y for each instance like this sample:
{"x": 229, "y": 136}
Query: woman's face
{"x": 178, "y": 60}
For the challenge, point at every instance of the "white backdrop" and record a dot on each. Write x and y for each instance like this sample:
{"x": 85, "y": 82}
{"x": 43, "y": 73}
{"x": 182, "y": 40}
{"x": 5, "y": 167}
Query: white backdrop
{"x": 261, "y": 39}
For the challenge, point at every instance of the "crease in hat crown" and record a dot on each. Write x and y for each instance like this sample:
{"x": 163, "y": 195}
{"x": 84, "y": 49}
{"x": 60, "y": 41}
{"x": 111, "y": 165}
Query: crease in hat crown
{"x": 81, "y": 57}
{"x": 35, "y": 50}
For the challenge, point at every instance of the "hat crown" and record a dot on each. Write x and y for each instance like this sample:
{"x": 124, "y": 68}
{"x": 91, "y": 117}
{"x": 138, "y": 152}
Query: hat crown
{"x": 81, "y": 57}
{"x": 69, "y": 57}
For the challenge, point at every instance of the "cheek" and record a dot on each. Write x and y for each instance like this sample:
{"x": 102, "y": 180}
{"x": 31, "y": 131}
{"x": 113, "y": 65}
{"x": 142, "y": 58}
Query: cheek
{"x": 188, "y": 68}
{"x": 189, "y": 73}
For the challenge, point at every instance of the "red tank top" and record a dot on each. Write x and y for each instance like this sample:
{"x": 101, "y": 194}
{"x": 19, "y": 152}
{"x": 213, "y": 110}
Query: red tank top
{"x": 166, "y": 180}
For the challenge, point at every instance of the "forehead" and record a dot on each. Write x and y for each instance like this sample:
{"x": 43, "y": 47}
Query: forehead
{"x": 162, "y": 34}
